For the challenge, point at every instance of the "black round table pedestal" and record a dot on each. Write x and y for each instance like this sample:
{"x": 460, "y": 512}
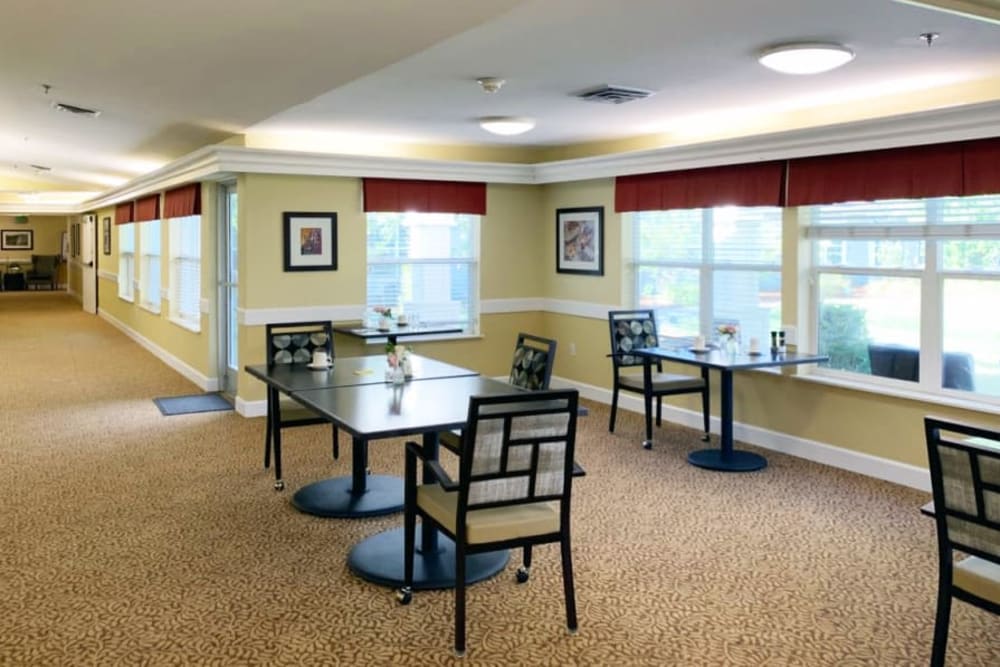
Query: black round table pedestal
{"x": 335, "y": 498}
{"x": 379, "y": 559}
{"x": 734, "y": 461}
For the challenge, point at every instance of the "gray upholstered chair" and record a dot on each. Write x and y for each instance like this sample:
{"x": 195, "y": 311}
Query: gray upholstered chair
{"x": 965, "y": 478}
{"x": 633, "y": 330}
{"x": 292, "y": 343}
{"x": 43, "y": 271}
{"x": 515, "y": 477}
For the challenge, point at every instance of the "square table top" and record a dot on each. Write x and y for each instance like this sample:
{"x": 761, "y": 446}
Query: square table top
{"x": 349, "y": 371}
{"x": 724, "y": 360}
{"x": 359, "y": 330}
{"x": 385, "y": 410}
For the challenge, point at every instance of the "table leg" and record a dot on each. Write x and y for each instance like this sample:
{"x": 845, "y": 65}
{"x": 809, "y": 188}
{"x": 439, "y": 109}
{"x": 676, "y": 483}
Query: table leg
{"x": 356, "y": 496}
{"x": 274, "y": 406}
{"x": 379, "y": 558}
{"x": 726, "y": 458}
{"x": 647, "y": 399}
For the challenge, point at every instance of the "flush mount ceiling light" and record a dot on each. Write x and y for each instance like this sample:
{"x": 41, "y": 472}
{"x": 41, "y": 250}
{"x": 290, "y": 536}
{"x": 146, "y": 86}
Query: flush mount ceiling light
{"x": 805, "y": 57}
{"x": 506, "y": 125}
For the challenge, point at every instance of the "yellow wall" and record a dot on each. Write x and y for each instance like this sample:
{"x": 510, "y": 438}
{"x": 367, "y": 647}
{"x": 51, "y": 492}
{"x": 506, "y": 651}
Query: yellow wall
{"x": 46, "y": 237}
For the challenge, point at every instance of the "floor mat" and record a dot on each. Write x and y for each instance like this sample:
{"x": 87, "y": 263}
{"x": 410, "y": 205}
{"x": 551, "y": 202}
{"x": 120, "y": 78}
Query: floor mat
{"x": 186, "y": 405}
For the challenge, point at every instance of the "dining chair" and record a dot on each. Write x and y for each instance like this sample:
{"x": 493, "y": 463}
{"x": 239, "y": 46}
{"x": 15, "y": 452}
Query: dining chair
{"x": 965, "y": 479}
{"x": 634, "y": 330}
{"x": 513, "y": 489}
{"x": 42, "y": 271}
{"x": 293, "y": 343}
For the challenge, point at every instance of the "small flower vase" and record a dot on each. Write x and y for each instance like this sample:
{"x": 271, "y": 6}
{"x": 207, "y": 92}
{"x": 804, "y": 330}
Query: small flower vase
{"x": 384, "y": 322}
{"x": 398, "y": 377}
{"x": 407, "y": 367}
{"x": 730, "y": 346}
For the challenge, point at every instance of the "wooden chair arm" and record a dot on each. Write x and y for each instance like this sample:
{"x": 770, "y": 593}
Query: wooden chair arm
{"x": 413, "y": 452}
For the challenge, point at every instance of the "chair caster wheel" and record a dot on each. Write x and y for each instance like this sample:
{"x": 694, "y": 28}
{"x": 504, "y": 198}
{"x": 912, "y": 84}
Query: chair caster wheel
{"x": 404, "y": 595}
{"x": 647, "y": 444}
{"x": 522, "y": 574}
{"x": 279, "y": 485}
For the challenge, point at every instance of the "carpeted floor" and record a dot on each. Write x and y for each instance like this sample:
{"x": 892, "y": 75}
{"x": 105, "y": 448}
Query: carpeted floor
{"x": 130, "y": 538}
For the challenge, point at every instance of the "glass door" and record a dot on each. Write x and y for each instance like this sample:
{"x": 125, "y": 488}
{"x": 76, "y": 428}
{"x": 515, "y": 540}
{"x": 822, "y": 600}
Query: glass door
{"x": 228, "y": 291}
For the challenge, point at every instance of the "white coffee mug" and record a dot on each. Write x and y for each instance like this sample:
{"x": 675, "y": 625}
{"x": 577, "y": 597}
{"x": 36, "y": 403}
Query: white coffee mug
{"x": 755, "y": 344}
{"x": 320, "y": 358}
{"x": 699, "y": 342}
{"x": 401, "y": 319}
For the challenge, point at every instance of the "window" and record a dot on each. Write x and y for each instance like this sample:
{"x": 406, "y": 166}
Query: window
{"x": 702, "y": 268}
{"x": 185, "y": 271}
{"x": 149, "y": 267}
{"x": 427, "y": 264}
{"x": 900, "y": 288}
{"x": 126, "y": 262}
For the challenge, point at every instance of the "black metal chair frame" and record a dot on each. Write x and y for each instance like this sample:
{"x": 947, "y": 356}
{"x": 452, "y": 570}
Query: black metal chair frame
{"x": 621, "y": 360}
{"x": 507, "y": 407}
{"x": 273, "y": 396}
{"x": 948, "y": 543}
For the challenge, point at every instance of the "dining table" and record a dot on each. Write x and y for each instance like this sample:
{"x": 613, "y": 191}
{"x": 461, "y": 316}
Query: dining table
{"x": 360, "y": 494}
{"x": 726, "y": 458}
{"x": 395, "y": 331}
{"x": 422, "y": 409}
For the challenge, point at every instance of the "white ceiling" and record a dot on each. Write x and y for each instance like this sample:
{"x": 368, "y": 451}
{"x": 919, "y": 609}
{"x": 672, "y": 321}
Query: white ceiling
{"x": 348, "y": 76}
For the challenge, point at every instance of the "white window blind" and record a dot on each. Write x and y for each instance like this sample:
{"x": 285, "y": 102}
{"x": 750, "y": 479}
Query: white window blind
{"x": 426, "y": 264}
{"x": 126, "y": 262}
{"x": 185, "y": 271}
{"x": 149, "y": 265}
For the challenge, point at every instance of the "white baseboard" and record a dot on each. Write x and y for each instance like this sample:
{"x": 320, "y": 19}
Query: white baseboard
{"x": 204, "y": 382}
{"x": 251, "y": 408}
{"x": 838, "y": 457}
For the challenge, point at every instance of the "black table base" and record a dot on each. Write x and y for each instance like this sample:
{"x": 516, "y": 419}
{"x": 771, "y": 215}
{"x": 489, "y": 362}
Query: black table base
{"x": 733, "y": 461}
{"x": 379, "y": 559}
{"x": 335, "y": 497}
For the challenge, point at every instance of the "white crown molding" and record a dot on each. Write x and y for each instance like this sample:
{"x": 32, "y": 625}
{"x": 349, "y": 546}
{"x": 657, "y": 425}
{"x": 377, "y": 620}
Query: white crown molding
{"x": 222, "y": 162}
{"x": 942, "y": 125}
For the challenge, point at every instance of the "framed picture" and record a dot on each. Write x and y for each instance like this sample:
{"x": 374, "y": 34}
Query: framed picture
{"x": 580, "y": 240}
{"x": 106, "y": 229}
{"x": 310, "y": 241}
{"x": 17, "y": 239}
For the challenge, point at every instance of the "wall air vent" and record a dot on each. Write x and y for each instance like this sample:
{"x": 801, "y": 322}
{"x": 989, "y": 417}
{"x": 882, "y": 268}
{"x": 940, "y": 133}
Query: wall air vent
{"x": 614, "y": 94}
{"x": 40, "y": 167}
{"x": 73, "y": 109}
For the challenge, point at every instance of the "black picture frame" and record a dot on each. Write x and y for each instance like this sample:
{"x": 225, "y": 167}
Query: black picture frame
{"x": 310, "y": 241}
{"x": 106, "y": 230}
{"x": 580, "y": 240}
{"x": 17, "y": 239}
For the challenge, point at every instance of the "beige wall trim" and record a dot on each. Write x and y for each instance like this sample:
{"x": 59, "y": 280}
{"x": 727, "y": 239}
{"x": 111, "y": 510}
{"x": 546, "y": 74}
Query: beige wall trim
{"x": 204, "y": 382}
{"x": 107, "y": 275}
{"x": 262, "y": 316}
{"x": 811, "y": 450}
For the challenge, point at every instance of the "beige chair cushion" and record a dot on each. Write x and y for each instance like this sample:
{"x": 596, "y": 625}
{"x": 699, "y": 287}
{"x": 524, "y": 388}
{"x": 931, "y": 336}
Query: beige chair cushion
{"x": 493, "y": 524}
{"x": 662, "y": 381}
{"x": 979, "y": 577}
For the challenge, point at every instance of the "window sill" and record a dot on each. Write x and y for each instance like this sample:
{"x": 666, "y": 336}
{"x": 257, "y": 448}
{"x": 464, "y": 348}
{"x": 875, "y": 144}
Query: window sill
{"x": 185, "y": 324}
{"x": 947, "y": 399}
{"x": 429, "y": 338}
{"x": 152, "y": 308}
{"x": 127, "y": 299}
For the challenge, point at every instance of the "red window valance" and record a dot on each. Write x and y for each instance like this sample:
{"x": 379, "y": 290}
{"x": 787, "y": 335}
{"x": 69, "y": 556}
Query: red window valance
{"x": 182, "y": 201}
{"x": 915, "y": 172}
{"x": 391, "y": 194}
{"x": 757, "y": 184}
{"x": 981, "y": 167}
{"x": 147, "y": 208}
{"x": 123, "y": 213}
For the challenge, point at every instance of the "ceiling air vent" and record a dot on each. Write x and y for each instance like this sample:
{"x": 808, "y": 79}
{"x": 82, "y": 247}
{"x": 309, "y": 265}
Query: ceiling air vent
{"x": 73, "y": 109}
{"x": 614, "y": 94}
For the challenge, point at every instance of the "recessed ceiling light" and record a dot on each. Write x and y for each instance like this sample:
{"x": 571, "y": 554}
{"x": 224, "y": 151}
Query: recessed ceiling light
{"x": 805, "y": 57}
{"x": 506, "y": 125}
{"x": 75, "y": 110}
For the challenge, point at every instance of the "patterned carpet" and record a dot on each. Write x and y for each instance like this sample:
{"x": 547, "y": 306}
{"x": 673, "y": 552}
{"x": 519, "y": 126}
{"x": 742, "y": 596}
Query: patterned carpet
{"x": 135, "y": 539}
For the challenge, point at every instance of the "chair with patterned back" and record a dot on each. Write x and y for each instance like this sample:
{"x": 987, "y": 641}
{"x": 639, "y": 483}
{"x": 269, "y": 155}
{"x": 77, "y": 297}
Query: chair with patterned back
{"x": 633, "y": 330}
{"x": 965, "y": 478}
{"x": 293, "y": 343}
{"x": 534, "y": 357}
{"x": 513, "y": 490}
